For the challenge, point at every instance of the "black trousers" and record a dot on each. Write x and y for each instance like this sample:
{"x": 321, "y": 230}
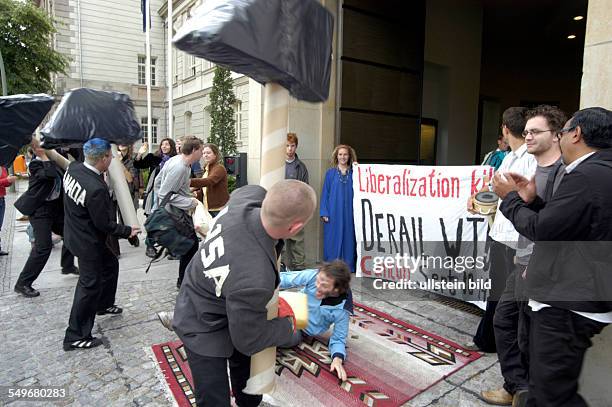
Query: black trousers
{"x": 43, "y": 226}
{"x": 95, "y": 291}
{"x": 511, "y": 328}
{"x": 186, "y": 259}
{"x": 557, "y": 343}
{"x": 210, "y": 379}
{"x": 502, "y": 264}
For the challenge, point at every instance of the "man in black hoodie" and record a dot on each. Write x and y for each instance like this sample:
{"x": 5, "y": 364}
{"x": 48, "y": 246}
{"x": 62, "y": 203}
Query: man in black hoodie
{"x": 89, "y": 222}
{"x": 220, "y": 312}
{"x": 568, "y": 279}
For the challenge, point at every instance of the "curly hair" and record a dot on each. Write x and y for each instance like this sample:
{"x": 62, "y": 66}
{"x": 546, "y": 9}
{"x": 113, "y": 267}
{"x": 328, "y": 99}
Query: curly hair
{"x": 351, "y": 151}
{"x": 555, "y": 117}
{"x": 172, "y": 152}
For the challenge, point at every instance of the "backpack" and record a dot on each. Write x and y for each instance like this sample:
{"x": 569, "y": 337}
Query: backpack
{"x": 166, "y": 230}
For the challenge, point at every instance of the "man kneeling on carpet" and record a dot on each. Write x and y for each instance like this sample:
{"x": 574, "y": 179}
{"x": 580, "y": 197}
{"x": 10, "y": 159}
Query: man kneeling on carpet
{"x": 330, "y": 301}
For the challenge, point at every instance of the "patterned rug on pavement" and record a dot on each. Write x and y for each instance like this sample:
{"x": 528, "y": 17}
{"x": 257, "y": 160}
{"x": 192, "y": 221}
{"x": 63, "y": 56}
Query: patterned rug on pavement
{"x": 388, "y": 363}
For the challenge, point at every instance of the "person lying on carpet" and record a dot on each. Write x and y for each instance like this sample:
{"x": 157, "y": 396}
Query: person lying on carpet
{"x": 330, "y": 301}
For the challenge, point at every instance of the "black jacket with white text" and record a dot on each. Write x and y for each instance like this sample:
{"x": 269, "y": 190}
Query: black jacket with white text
{"x": 88, "y": 215}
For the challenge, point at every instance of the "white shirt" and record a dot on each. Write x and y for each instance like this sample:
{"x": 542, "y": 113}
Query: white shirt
{"x": 91, "y": 167}
{"x": 525, "y": 164}
{"x": 576, "y": 162}
{"x": 604, "y": 317}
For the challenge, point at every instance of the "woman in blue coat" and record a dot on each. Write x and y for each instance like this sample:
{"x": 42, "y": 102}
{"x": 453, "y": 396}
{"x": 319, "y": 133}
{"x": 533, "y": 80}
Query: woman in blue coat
{"x": 337, "y": 208}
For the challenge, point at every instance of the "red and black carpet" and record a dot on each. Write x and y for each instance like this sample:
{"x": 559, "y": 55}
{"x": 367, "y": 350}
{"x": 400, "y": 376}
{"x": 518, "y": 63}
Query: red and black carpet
{"x": 388, "y": 363}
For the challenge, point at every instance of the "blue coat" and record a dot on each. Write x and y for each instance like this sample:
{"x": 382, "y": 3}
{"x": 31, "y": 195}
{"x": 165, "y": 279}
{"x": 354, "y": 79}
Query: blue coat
{"x": 322, "y": 313}
{"x": 337, "y": 205}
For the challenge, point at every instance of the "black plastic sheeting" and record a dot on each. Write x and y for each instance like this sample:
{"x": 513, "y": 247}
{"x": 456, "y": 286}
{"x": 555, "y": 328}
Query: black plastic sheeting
{"x": 20, "y": 115}
{"x": 85, "y": 113}
{"x": 284, "y": 41}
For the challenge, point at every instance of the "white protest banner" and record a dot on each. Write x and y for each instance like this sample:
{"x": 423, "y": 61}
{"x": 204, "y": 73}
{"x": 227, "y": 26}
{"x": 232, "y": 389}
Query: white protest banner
{"x": 413, "y": 229}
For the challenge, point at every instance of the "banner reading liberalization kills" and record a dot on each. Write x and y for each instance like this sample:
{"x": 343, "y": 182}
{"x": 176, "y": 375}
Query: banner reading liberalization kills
{"x": 414, "y": 232}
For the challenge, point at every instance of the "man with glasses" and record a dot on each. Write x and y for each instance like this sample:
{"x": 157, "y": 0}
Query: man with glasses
{"x": 568, "y": 280}
{"x": 510, "y": 324}
{"x": 502, "y": 234}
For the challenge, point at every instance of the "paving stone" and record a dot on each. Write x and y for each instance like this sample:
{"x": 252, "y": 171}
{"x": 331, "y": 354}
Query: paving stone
{"x": 120, "y": 373}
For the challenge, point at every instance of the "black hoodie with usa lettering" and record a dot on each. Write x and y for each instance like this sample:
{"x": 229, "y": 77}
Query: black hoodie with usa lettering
{"x": 222, "y": 302}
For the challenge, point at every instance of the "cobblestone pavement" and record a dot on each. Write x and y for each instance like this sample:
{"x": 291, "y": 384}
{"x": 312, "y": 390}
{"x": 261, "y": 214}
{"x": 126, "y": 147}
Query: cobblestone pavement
{"x": 121, "y": 372}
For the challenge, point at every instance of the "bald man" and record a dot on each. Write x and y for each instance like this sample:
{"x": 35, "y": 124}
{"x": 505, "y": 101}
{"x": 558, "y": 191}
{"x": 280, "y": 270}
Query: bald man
{"x": 220, "y": 312}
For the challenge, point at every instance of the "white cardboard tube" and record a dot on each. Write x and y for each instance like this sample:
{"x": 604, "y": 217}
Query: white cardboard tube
{"x": 57, "y": 158}
{"x": 122, "y": 192}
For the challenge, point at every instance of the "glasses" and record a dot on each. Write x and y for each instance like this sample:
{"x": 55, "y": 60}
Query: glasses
{"x": 566, "y": 130}
{"x": 534, "y": 132}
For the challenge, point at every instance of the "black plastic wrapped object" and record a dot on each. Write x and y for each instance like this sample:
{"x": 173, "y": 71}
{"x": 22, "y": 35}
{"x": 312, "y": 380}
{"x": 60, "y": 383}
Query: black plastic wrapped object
{"x": 20, "y": 115}
{"x": 284, "y": 41}
{"x": 7, "y": 154}
{"x": 84, "y": 114}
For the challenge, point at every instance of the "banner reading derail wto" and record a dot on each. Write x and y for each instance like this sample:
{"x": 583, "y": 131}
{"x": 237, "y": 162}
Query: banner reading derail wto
{"x": 414, "y": 232}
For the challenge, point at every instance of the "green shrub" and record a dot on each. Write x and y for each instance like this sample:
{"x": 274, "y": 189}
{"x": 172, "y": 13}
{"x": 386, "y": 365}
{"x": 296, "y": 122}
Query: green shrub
{"x": 231, "y": 183}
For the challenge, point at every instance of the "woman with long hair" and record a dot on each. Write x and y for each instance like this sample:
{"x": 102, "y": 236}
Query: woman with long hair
{"x": 337, "y": 208}
{"x": 211, "y": 188}
{"x": 154, "y": 162}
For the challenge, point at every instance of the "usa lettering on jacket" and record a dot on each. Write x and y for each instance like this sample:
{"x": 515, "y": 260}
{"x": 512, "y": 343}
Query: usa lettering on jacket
{"x": 74, "y": 190}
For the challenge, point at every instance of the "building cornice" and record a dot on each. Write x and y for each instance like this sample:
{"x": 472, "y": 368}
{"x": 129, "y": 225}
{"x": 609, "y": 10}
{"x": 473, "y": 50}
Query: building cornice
{"x": 163, "y": 10}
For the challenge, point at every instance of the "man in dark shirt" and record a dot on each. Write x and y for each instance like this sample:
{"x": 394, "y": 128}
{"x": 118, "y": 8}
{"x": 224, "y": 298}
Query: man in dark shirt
{"x": 88, "y": 224}
{"x": 510, "y": 322}
{"x": 293, "y": 253}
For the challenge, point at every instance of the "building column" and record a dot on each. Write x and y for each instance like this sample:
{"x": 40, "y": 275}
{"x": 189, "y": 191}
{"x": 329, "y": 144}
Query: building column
{"x": 595, "y": 91}
{"x": 597, "y": 65}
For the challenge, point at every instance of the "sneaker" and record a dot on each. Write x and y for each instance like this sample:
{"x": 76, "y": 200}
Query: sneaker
{"x": 499, "y": 397}
{"x": 150, "y": 252}
{"x": 113, "y": 310}
{"x": 165, "y": 318}
{"x": 26, "y": 291}
{"x": 471, "y": 346}
{"x": 83, "y": 344}
{"x": 71, "y": 270}
{"x": 55, "y": 239}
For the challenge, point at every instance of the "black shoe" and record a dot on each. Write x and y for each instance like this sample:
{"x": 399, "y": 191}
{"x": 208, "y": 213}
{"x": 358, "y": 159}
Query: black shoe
{"x": 83, "y": 344}
{"x": 3, "y": 253}
{"x": 178, "y": 284}
{"x": 26, "y": 291}
{"x": 134, "y": 241}
{"x": 71, "y": 270}
{"x": 113, "y": 310}
{"x": 150, "y": 252}
{"x": 520, "y": 398}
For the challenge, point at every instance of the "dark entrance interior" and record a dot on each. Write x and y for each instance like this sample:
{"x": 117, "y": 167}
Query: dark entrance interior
{"x": 528, "y": 59}
{"x": 382, "y": 70}
{"x": 523, "y": 56}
